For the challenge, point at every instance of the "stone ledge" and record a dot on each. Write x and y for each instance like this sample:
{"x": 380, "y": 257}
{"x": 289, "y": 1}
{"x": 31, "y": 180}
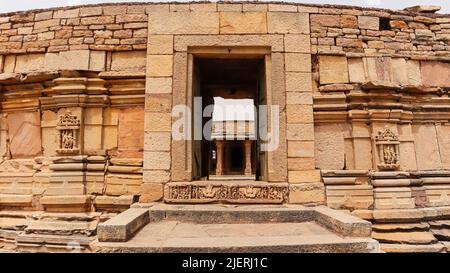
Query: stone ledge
{"x": 402, "y": 248}
{"x": 122, "y": 227}
{"x": 342, "y": 223}
{"x": 16, "y": 200}
{"x": 231, "y": 213}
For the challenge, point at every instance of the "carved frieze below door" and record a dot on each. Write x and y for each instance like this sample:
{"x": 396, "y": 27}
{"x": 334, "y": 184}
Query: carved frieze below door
{"x": 388, "y": 150}
{"x": 210, "y": 192}
{"x": 68, "y": 127}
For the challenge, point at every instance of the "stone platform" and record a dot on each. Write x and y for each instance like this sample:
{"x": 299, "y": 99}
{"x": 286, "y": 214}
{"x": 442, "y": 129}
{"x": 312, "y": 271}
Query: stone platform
{"x": 232, "y": 228}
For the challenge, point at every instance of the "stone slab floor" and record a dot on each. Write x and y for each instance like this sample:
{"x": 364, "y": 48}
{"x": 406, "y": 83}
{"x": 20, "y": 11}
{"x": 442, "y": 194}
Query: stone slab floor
{"x": 174, "y": 236}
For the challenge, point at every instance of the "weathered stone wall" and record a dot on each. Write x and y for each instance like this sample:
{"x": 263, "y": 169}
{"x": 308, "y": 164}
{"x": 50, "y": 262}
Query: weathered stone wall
{"x": 89, "y": 61}
{"x": 106, "y": 28}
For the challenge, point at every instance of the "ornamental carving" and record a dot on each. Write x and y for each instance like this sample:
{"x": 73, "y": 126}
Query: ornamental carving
{"x": 68, "y": 126}
{"x": 388, "y": 150}
{"x": 229, "y": 193}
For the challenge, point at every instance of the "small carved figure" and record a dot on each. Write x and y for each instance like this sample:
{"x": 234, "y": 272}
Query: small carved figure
{"x": 250, "y": 192}
{"x": 390, "y": 157}
{"x": 209, "y": 191}
{"x": 68, "y": 141}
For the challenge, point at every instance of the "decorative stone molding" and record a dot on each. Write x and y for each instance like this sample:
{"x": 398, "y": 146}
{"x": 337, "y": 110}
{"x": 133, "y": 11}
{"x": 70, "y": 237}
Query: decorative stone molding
{"x": 193, "y": 192}
{"x": 388, "y": 150}
{"x": 68, "y": 127}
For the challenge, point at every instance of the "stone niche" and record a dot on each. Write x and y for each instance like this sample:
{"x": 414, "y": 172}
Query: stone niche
{"x": 387, "y": 145}
{"x": 69, "y": 134}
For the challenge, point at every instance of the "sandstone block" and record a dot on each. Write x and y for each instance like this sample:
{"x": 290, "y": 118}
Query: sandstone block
{"x": 183, "y": 23}
{"x": 300, "y": 131}
{"x": 158, "y": 122}
{"x": 301, "y": 164}
{"x": 426, "y": 146}
{"x": 123, "y": 226}
{"x": 416, "y": 237}
{"x": 333, "y": 69}
{"x": 158, "y": 85}
{"x": 306, "y": 193}
{"x": 299, "y": 98}
{"x": 298, "y": 81}
{"x": 309, "y": 176}
{"x": 90, "y": 11}
{"x": 160, "y": 44}
{"x": 369, "y": 22}
{"x": 434, "y": 73}
{"x": 24, "y": 134}
{"x": 299, "y": 114}
{"x": 97, "y": 61}
{"x": 330, "y": 148}
{"x": 243, "y": 22}
{"x": 283, "y": 22}
{"x": 156, "y": 160}
{"x": 356, "y": 70}
{"x": 159, "y": 65}
{"x": 296, "y": 62}
{"x": 322, "y": 20}
{"x": 157, "y": 141}
{"x": 151, "y": 192}
{"x": 300, "y": 149}
{"x": 297, "y": 43}
{"x": 29, "y": 63}
{"x": 130, "y": 132}
{"x": 156, "y": 176}
{"x": 129, "y": 61}
{"x": 158, "y": 102}
{"x": 350, "y": 197}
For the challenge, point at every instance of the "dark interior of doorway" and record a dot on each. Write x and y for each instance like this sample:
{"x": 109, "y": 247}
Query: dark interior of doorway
{"x": 229, "y": 78}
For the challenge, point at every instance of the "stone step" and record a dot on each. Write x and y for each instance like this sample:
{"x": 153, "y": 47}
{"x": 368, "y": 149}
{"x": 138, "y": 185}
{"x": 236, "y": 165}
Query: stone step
{"x": 234, "y": 228}
{"x": 406, "y": 248}
{"x": 173, "y": 236}
{"x": 74, "y": 216}
{"x": 413, "y": 238}
{"x": 441, "y": 234}
{"x": 440, "y": 224}
{"x": 8, "y": 223}
{"x": 55, "y": 239}
{"x": 62, "y": 227}
{"x": 401, "y": 227}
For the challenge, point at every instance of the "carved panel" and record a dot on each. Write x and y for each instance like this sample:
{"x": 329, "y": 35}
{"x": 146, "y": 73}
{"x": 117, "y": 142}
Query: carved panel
{"x": 388, "y": 150}
{"x": 68, "y": 127}
{"x": 191, "y": 192}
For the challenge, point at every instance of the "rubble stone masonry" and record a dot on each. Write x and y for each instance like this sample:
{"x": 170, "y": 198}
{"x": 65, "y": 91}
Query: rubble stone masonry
{"x": 86, "y": 95}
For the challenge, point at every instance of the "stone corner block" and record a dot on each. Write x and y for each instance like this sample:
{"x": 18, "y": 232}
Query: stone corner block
{"x": 343, "y": 223}
{"x": 123, "y": 226}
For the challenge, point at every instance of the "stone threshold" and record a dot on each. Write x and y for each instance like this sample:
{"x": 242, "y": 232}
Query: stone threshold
{"x": 231, "y": 228}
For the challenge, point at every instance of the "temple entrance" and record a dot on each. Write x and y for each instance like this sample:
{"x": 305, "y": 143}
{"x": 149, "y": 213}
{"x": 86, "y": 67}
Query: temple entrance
{"x": 235, "y": 87}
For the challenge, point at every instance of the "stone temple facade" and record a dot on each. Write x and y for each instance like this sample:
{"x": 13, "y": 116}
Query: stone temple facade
{"x": 86, "y": 115}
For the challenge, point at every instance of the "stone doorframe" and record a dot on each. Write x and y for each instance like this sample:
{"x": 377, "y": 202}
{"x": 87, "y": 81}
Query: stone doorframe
{"x": 234, "y": 52}
{"x": 174, "y": 39}
{"x": 183, "y": 94}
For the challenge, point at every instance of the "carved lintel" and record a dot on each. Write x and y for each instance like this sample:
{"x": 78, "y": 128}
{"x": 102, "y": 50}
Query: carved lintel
{"x": 193, "y": 192}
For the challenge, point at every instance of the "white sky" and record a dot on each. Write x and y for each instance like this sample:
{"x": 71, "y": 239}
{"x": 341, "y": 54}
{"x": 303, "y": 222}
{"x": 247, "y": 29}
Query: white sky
{"x": 17, "y": 5}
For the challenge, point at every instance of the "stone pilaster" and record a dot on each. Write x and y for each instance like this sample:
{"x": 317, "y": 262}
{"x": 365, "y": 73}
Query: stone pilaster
{"x": 158, "y": 108}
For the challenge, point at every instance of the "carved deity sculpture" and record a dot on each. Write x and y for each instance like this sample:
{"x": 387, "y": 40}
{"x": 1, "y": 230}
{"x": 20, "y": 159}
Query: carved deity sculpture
{"x": 68, "y": 126}
{"x": 388, "y": 150}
